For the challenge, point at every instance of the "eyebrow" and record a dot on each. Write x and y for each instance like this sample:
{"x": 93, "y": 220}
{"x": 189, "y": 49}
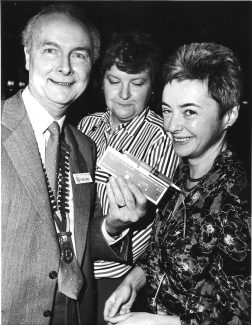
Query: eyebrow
{"x": 111, "y": 75}
{"x": 182, "y": 106}
{"x": 189, "y": 104}
{"x": 48, "y": 43}
{"x": 80, "y": 48}
{"x": 86, "y": 49}
{"x": 165, "y": 104}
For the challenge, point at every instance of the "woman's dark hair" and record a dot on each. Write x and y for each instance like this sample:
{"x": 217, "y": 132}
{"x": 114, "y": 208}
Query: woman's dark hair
{"x": 132, "y": 52}
{"x": 209, "y": 62}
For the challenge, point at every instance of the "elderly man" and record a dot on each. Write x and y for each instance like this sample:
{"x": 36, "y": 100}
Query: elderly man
{"x": 48, "y": 191}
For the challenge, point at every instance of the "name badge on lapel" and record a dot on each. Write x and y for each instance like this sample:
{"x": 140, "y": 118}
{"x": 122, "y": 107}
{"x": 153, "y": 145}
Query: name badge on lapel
{"x": 82, "y": 178}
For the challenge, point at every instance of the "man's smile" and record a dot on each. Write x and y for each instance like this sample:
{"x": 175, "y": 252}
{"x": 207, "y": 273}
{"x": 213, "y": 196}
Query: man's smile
{"x": 61, "y": 83}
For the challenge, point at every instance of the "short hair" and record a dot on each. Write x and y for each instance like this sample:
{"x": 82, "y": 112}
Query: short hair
{"x": 132, "y": 52}
{"x": 68, "y": 10}
{"x": 209, "y": 62}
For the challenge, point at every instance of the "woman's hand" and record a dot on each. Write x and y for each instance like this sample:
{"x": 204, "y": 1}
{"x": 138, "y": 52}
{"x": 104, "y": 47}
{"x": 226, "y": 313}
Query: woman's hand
{"x": 123, "y": 297}
{"x": 120, "y": 301}
{"x": 131, "y": 319}
{"x": 143, "y": 319}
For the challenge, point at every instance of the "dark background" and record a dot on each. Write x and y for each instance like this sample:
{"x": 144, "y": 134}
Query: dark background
{"x": 171, "y": 23}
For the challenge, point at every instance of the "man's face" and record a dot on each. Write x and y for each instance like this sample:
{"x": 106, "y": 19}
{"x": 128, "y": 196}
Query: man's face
{"x": 126, "y": 94}
{"x": 59, "y": 62}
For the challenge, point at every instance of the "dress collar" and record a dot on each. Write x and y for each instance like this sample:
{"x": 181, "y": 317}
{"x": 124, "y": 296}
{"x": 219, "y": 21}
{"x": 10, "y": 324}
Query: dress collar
{"x": 38, "y": 115}
{"x": 131, "y": 126}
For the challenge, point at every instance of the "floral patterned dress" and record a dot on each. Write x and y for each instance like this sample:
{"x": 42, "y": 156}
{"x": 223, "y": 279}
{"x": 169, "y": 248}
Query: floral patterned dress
{"x": 198, "y": 262}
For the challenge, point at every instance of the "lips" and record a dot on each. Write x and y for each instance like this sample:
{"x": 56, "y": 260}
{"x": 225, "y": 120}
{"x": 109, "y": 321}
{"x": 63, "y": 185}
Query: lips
{"x": 182, "y": 140}
{"x": 66, "y": 84}
{"x": 123, "y": 104}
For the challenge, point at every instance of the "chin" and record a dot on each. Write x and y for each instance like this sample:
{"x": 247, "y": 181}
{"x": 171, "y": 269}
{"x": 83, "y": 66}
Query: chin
{"x": 62, "y": 100}
{"x": 182, "y": 153}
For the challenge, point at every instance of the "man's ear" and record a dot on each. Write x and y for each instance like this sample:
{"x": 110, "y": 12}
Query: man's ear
{"x": 230, "y": 117}
{"x": 27, "y": 58}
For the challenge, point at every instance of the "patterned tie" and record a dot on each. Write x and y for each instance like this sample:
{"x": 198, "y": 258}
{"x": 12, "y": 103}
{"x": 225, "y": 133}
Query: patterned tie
{"x": 70, "y": 279}
{"x": 52, "y": 156}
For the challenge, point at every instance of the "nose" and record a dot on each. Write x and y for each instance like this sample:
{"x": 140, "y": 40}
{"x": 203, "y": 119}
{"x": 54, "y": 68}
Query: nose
{"x": 173, "y": 123}
{"x": 65, "y": 65}
{"x": 125, "y": 91}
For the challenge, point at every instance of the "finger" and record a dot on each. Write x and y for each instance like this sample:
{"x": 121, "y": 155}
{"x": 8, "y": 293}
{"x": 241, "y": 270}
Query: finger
{"x": 126, "y": 192}
{"x": 115, "y": 308}
{"x": 116, "y": 188}
{"x": 111, "y": 198}
{"x": 107, "y": 307}
{"x": 119, "y": 318}
{"x": 140, "y": 199}
{"x": 138, "y": 194}
{"x": 112, "y": 307}
{"x": 124, "y": 310}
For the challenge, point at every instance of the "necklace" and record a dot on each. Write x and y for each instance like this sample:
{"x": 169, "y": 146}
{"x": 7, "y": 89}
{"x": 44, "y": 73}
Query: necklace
{"x": 192, "y": 180}
{"x": 195, "y": 180}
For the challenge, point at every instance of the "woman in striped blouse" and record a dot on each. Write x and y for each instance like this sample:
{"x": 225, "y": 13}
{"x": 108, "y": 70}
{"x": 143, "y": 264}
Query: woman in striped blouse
{"x": 129, "y": 71}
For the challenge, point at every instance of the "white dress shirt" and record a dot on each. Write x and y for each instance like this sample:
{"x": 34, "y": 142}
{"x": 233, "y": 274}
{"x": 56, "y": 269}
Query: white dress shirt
{"x": 40, "y": 120}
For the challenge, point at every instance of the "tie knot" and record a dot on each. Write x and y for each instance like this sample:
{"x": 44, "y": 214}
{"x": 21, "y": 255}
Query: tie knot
{"x": 54, "y": 128}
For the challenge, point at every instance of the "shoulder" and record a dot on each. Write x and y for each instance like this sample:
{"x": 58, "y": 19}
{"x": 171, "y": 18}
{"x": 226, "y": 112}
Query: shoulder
{"x": 15, "y": 99}
{"x": 154, "y": 124}
{"x": 90, "y": 120}
{"x": 81, "y": 138}
{"x": 226, "y": 184}
{"x": 9, "y": 106}
{"x": 94, "y": 115}
{"x": 230, "y": 166}
{"x": 234, "y": 176}
{"x": 13, "y": 111}
{"x": 154, "y": 119}
{"x": 83, "y": 146}
{"x": 155, "y": 127}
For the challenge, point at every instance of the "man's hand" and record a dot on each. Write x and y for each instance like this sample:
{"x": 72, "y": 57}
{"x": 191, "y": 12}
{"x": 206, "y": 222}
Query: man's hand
{"x": 127, "y": 205}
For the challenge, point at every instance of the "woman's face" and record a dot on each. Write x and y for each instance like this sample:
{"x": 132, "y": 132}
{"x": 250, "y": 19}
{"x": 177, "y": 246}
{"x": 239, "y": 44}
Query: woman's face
{"x": 192, "y": 118}
{"x": 126, "y": 95}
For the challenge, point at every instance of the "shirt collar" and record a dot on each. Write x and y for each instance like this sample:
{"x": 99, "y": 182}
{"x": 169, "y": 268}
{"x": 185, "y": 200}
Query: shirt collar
{"x": 38, "y": 115}
{"x": 129, "y": 126}
{"x": 137, "y": 121}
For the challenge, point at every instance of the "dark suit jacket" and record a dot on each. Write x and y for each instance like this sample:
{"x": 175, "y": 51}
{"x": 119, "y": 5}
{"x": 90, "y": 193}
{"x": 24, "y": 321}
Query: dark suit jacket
{"x": 30, "y": 250}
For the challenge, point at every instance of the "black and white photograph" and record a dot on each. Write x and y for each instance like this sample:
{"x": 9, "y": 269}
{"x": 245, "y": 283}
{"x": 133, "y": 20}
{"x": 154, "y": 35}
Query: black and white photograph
{"x": 126, "y": 162}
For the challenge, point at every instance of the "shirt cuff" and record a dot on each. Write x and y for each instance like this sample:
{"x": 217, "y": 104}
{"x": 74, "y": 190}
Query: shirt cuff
{"x": 110, "y": 240}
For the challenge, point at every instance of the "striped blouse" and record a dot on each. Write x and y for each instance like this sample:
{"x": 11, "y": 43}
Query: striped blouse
{"x": 144, "y": 138}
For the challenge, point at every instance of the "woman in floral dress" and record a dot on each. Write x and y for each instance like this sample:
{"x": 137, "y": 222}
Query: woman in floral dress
{"x": 197, "y": 268}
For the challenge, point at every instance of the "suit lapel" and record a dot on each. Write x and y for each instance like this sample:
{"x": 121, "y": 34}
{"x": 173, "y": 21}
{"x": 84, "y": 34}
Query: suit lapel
{"x": 81, "y": 195}
{"x": 22, "y": 148}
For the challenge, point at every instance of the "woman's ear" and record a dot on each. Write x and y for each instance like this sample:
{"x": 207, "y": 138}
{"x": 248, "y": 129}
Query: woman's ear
{"x": 230, "y": 117}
